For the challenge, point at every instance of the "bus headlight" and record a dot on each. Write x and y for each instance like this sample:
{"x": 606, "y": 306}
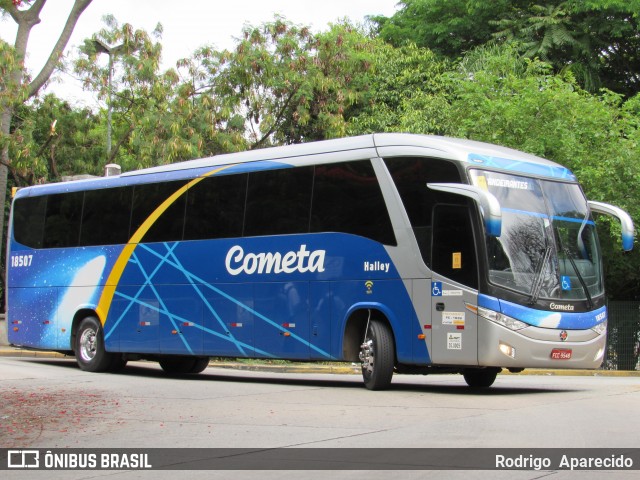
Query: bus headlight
{"x": 501, "y": 319}
{"x": 600, "y": 328}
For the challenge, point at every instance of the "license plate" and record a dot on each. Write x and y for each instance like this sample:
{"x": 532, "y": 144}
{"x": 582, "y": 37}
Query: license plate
{"x": 560, "y": 354}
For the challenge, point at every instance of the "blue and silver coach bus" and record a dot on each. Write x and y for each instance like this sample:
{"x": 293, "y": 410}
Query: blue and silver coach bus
{"x": 405, "y": 253}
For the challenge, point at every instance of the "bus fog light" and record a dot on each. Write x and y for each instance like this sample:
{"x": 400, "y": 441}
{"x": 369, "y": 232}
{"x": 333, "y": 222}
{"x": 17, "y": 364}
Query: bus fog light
{"x": 599, "y": 355}
{"x": 508, "y": 350}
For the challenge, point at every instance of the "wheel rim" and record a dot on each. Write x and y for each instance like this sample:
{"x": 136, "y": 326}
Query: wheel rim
{"x": 88, "y": 345}
{"x": 367, "y": 357}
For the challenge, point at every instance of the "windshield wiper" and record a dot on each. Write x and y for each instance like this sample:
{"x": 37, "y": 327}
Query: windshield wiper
{"x": 575, "y": 269}
{"x": 580, "y": 278}
{"x": 537, "y": 281}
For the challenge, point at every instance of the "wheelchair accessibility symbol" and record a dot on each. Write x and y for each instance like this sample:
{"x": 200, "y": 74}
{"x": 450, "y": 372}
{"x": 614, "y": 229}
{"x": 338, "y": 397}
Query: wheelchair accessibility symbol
{"x": 436, "y": 289}
{"x": 566, "y": 282}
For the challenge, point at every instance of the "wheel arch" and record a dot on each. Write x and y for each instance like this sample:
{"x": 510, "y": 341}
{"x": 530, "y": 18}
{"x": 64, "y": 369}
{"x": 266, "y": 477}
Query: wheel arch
{"x": 355, "y": 325}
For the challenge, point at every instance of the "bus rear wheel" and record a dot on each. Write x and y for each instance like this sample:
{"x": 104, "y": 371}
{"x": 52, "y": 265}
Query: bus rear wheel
{"x": 89, "y": 347}
{"x": 377, "y": 355}
{"x": 183, "y": 365}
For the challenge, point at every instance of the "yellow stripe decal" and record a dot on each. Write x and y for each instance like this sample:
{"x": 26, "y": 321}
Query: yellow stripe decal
{"x": 118, "y": 268}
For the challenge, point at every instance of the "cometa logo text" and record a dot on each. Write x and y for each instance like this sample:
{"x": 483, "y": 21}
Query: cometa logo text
{"x": 302, "y": 261}
{"x": 557, "y": 306}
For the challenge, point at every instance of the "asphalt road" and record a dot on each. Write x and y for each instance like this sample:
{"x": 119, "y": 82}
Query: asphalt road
{"x": 50, "y": 403}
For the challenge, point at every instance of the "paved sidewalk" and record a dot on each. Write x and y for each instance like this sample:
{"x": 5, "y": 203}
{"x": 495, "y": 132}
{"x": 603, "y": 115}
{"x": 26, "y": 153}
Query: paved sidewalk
{"x": 314, "y": 367}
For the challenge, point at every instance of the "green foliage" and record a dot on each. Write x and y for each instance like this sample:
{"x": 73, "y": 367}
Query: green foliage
{"x": 283, "y": 84}
{"x": 57, "y": 140}
{"x": 448, "y": 27}
{"x": 290, "y": 85}
{"x": 598, "y": 40}
{"x": 549, "y": 115}
{"x": 12, "y": 93}
{"x": 408, "y": 93}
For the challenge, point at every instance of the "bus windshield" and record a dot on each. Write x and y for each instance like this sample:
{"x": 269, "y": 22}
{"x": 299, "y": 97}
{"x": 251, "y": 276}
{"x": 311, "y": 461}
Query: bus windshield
{"x": 548, "y": 247}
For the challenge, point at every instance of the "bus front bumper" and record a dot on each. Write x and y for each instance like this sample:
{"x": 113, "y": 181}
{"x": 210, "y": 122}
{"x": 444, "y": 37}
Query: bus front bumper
{"x": 535, "y": 347}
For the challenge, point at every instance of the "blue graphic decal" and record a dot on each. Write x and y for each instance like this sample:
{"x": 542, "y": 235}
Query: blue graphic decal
{"x": 436, "y": 289}
{"x": 627, "y": 242}
{"x": 565, "y": 282}
{"x": 271, "y": 297}
{"x": 543, "y": 318}
{"x": 553, "y": 171}
{"x": 46, "y": 293}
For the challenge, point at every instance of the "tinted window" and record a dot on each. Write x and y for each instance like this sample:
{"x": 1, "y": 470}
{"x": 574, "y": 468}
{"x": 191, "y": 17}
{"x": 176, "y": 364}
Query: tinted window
{"x": 146, "y": 199}
{"x": 215, "y": 207}
{"x": 28, "y": 220}
{"x": 411, "y": 176}
{"x": 278, "y": 202}
{"x": 106, "y": 216}
{"x": 347, "y": 198}
{"x": 454, "y": 254}
{"x": 62, "y": 224}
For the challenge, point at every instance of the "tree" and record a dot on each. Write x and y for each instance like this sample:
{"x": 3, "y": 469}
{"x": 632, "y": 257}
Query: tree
{"x": 408, "y": 92}
{"x": 26, "y": 13}
{"x": 450, "y": 28}
{"x": 598, "y": 40}
{"x": 282, "y": 84}
{"x": 495, "y": 95}
{"x": 158, "y": 117}
{"x": 127, "y": 80}
{"x": 54, "y": 140}
{"x": 526, "y": 106}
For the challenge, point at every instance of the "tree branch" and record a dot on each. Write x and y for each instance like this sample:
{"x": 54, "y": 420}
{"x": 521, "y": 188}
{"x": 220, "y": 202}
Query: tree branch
{"x": 277, "y": 119}
{"x": 78, "y": 7}
{"x": 116, "y": 148}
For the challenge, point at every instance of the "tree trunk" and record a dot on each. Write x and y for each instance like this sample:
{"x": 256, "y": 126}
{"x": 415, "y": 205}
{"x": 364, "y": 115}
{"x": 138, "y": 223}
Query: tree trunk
{"x": 26, "y": 20}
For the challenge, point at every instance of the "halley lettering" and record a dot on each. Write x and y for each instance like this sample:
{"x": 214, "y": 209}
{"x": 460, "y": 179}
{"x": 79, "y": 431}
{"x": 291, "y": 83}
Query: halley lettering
{"x": 302, "y": 261}
{"x": 376, "y": 266}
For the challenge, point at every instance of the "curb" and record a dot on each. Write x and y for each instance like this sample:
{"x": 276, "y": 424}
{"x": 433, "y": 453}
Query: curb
{"x": 341, "y": 369}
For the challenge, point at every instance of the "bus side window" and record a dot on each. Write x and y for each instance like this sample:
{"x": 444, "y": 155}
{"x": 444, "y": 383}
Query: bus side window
{"x": 62, "y": 221}
{"x": 278, "y": 202}
{"x": 347, "y": 198}
{"x": 215, "y": 207}
{"x": 106, "y": 216}
{"x": 28, "y": 220}
{"x": 146, "y": 199}
{"x": 454, "y": 253}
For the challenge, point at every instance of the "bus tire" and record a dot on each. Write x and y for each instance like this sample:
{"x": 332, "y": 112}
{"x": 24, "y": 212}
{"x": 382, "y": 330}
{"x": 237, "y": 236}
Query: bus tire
{"x": 89, "y": 347}
{"x": 118, "y": 363}
{"x": 178, "y": 365}
{"x": 480, "y": 378}
{"x": 377, "y": 355}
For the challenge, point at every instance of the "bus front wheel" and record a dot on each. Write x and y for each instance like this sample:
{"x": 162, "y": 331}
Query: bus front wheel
{"x": 89, "y": 347}
{"x": 480, "y": 378}
{"x": 377, "y": 356}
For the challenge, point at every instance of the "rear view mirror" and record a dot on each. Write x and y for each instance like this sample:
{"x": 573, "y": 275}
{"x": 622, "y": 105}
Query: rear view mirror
{"x": 625, "y": 221}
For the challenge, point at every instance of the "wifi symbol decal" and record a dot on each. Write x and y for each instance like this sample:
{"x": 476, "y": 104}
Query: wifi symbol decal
{"x": 369, "y": 286}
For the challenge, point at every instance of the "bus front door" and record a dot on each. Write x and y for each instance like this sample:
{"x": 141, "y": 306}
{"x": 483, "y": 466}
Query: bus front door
{"x": 453, "y": 287}
{"x": 454, "y": 329}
